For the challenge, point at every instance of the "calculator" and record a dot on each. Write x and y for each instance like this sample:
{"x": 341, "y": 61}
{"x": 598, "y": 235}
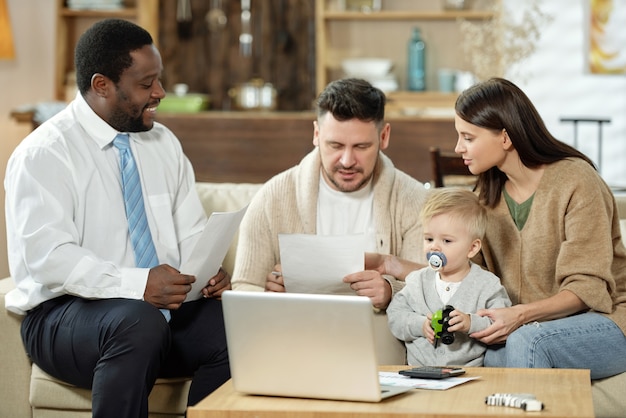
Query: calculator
{"x": 432, "y": 372}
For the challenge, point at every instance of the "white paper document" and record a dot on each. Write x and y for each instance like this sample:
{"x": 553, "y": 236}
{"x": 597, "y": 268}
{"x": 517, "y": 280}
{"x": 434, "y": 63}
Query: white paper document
{"x": 396, "y": 379}
{"x": 208, "y": 254}
{"x": 318, "y": 264}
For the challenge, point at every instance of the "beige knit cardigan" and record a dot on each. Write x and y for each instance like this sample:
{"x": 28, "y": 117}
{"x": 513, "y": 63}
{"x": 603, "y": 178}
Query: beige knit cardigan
{"x": 571, "y": 240}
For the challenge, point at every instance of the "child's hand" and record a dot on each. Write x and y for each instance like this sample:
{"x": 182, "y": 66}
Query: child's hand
{"x": 459, "y": 321}
{"x": 428, "y": 331}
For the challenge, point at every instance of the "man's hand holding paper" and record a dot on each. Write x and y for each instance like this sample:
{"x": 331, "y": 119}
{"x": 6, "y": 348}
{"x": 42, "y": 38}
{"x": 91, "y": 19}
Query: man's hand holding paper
{"x": 217, "y": 285}
{"x": 206, "y": 258}
{"x": 371, "y": 283}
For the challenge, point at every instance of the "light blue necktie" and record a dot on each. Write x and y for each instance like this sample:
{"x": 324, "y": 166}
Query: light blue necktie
{"x": 140, "y": 237}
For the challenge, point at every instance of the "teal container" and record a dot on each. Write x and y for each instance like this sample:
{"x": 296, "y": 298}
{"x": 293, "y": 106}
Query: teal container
{"x": 416, "y": 59}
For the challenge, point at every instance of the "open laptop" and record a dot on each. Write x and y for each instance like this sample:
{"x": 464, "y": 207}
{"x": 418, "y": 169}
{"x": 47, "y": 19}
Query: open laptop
{"x": 303, "y": 345}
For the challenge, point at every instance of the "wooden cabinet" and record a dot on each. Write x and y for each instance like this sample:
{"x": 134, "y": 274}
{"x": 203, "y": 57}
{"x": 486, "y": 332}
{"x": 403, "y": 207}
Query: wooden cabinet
{"x": 210, "y": 61}
{"x": 71, "y": 23}
{"x": 344, "y": 34}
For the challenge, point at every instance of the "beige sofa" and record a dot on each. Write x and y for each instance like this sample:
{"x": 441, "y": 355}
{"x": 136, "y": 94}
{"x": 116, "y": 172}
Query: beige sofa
{"x": 26, "y": 391}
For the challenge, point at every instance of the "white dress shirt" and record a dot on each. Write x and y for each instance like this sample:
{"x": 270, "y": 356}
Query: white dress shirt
{"x": 67, "y": 231}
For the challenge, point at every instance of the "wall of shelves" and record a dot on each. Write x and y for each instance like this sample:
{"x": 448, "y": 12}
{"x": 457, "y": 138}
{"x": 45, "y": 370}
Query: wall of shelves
{"x": 443, "y": 15}
{"x": 72, "y": 23}
{"x": 385, "y": 33}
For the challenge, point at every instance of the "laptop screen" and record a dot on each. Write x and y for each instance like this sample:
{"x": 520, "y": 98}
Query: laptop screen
{"x": 302, "y": 345}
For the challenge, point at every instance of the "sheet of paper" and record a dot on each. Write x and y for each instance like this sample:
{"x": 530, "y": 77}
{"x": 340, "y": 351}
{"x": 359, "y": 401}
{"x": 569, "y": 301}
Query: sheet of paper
{"x": 396, "y": 379}
{"x": 318, "y": 264}
{"x": 208, "y": 254}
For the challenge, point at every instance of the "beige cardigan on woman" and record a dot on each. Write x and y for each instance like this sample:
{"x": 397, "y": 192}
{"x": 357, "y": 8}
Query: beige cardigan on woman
{"x": 571, "y": 241}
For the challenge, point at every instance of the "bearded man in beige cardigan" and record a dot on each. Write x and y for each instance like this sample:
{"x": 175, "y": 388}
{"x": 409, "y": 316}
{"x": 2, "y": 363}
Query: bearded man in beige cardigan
{"x": 344, "y": 186}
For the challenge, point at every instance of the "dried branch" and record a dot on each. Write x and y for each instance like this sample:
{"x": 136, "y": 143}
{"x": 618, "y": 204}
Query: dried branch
{"x": 491, "y": 47}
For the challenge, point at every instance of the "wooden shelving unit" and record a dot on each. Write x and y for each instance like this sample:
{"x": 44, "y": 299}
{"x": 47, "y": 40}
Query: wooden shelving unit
{"x": 408, "y": 15}
{"x": 384, "y": 34}
{"x": 72, "y": 23}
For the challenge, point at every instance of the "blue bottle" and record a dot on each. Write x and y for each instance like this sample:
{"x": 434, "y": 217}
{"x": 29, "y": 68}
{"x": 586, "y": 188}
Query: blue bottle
{"x": 416, "y": 73}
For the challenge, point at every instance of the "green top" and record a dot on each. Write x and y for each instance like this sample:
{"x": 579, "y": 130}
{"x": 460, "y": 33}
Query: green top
{"x": 519, "y": 211}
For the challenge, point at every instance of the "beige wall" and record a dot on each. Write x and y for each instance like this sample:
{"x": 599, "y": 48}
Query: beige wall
{"x": 27, "y": 79}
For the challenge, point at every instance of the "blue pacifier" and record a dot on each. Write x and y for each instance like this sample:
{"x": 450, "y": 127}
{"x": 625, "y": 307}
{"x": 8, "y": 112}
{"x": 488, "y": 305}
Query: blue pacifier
{"x": 436, "y": 260}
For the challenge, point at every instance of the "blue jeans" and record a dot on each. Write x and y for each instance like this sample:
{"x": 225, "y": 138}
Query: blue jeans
{"x": 584, "y": 341}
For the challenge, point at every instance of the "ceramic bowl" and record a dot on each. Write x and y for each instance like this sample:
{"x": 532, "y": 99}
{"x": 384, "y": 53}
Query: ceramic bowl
{"x": 366, "y": 67}
{"x": 189, "y": 103}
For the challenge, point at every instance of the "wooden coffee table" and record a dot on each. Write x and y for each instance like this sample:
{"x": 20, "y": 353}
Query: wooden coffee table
{"x": 565, "y": 393}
